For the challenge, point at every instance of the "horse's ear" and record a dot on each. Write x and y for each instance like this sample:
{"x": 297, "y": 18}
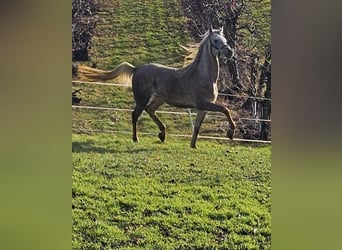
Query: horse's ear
{"x": 211, "y": 29}
{"x": 221, "y": 31}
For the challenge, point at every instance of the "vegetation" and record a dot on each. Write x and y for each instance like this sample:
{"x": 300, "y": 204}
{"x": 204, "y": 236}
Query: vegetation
{"x": 147, "y": 31}
{"x": 139, "y": 32}
{"x": 247, "y": 29}
{"x": 130, "y": 32}
{"x": 151, "y": 195}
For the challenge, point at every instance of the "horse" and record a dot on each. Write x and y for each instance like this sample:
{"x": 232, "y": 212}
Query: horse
{"x": 191, "y": 86}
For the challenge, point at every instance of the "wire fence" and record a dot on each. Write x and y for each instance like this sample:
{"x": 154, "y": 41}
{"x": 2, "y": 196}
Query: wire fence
{"x": 124, "y": 85}
{"x": 90, "y": 131}
{"x": 188, "y": 113}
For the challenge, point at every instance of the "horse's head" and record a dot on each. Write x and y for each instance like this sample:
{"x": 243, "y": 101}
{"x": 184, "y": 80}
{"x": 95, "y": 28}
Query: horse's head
{"x": 218, "y": 44}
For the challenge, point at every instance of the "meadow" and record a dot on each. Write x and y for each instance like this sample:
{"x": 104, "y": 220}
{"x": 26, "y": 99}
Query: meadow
{"x": 153, "y": 195}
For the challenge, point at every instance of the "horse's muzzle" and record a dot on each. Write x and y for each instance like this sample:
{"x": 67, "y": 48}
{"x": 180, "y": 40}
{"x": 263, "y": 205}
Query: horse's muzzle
{"x": 226, "y": 53}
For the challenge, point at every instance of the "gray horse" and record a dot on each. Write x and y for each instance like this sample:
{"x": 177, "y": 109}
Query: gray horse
{"x": 193, "y": 86}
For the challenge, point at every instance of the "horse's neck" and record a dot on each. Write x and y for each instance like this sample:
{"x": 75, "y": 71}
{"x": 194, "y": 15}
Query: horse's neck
{"x": 208, "y": 65}
{"x": 204, "y": 64}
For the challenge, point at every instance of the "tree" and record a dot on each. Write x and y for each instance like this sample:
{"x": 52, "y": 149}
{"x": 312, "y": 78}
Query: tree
{"x": 265, "y": 79}
{"x": 82, "y": 25}
{"x": 247, "y": 26}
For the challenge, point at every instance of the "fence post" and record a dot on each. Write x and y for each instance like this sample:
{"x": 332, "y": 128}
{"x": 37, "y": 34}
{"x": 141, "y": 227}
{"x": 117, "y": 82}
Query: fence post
{"x": 191, "y": 121}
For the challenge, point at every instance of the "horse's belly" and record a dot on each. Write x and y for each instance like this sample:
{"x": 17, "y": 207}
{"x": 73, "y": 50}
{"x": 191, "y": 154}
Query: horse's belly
{"x": 181, "y": 103}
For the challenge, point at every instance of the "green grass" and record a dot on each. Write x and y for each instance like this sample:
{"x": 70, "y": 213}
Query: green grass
{"x": 139, "y": 32}
{"x": 152, "y": 195}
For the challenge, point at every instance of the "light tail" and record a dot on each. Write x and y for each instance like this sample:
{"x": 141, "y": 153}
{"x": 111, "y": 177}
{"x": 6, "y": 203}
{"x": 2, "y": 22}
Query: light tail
{"x": 122, "y": 74}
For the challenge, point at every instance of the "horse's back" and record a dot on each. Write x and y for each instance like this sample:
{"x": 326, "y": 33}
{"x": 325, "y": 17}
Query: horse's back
{"x": 171, "y": 85}
{"x": 151, "y": 79}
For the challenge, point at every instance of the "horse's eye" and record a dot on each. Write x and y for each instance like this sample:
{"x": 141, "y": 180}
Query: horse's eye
{"x": 216, "y": 40}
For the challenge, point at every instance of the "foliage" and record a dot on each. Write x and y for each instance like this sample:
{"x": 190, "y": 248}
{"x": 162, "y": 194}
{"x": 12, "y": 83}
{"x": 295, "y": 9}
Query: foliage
{"x": 150, "y": 195}
{"x": 253, "y": 20}
{"x": 255, "y": 26}
{"x": 82, "y": 25}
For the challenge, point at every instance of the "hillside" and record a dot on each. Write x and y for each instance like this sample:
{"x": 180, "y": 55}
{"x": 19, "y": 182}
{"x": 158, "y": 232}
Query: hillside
{"x": 153, "y": 195}
{"x": 138, "y": 33}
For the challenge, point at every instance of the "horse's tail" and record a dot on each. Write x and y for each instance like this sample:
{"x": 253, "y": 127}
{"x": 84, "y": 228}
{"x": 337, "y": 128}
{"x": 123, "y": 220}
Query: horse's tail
{"x": 122, "y": 73}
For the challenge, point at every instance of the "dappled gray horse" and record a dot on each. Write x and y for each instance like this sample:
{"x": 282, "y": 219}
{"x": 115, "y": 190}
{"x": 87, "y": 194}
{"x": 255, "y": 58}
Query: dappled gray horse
{"x": 193, "y": 86}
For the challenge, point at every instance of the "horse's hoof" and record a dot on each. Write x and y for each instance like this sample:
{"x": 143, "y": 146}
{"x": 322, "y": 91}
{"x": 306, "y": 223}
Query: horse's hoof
{"x": 230, "y": 134}
{"x": 161, "y": 137}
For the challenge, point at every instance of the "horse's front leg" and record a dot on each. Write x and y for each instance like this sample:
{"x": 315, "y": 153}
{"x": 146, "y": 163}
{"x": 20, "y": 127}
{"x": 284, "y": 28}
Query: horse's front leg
{"x": 199, "y": 120}
{"x": 220, "y": 108}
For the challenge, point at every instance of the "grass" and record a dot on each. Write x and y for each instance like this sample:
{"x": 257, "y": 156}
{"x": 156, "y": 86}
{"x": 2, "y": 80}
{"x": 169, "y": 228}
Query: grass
{"x": 140, "y": 32}
{"x": 137, "y": 32}
{"x": 152, "y": 195}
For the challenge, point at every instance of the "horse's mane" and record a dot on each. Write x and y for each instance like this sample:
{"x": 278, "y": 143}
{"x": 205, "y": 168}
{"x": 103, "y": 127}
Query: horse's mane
{"x": 193, "y": 49}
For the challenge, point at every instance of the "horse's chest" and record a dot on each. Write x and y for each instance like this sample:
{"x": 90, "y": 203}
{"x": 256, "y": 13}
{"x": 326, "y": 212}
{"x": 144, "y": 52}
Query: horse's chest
{"x": 206, "y": 92}
{"x": 210, "y": 87}
{"x": 213, "y": 92}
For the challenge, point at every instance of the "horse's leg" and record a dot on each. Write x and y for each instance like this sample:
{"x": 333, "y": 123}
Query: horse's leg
{"x": 151, "y": 108}
{"x": 199, "y": 120}
{"x": 135, "y": 115}
{"x": 220, "y": 108}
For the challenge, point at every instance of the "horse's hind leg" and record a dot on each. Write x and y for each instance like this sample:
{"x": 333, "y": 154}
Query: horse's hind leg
{"x": 199, "y": 120}
{"x": 151, "y": 108}
{"x": 135, "y": 115}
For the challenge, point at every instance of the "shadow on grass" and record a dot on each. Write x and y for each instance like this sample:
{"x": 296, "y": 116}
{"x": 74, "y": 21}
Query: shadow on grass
{"x": 89, "y": 146}
{"x": 233, "y": 143}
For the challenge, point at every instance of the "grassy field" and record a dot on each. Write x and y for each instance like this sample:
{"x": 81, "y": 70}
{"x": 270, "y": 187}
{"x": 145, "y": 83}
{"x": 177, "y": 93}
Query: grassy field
{"x": 137, "y": 32}
{"x": 152, "y": 195}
